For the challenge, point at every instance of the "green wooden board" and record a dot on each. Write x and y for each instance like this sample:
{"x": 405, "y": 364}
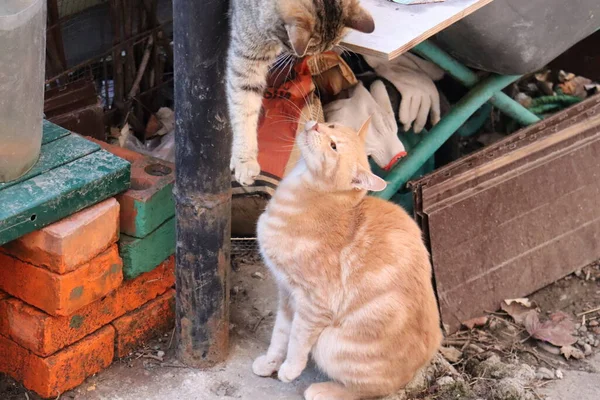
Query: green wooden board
{"x": 143, "y": 255}
{"x": 53, "y": 132}
{"x": 60, "y": 192}
{"x": 56, "y": 153}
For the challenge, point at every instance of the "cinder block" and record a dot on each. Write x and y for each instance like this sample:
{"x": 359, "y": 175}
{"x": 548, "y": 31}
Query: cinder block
{"x": 62, "y": 294}
{"x": 75, "y": 240}
{"x": 62, "y": 371}
{"x": 142, "y": 255}
{"x": 147, "y": 322}
{"x": 149, "y": 202}
{"x": 45, "y": 335}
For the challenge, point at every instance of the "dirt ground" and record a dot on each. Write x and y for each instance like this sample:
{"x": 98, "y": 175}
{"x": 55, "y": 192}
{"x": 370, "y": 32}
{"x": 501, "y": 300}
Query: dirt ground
{"x": 497, "y": 360}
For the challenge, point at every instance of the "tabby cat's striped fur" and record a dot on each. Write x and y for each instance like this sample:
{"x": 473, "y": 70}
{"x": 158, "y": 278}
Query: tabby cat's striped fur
{"x": 261, "y": 30}
{"x": 353, "y": 273}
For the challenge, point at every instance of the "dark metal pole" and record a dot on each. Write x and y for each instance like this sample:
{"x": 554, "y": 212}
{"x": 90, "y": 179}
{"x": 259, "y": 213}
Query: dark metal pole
{"x": 203, "y": 181}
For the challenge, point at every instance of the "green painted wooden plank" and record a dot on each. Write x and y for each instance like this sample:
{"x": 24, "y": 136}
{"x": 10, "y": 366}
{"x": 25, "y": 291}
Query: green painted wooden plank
{"x": 143, "y": 255}
{"x": 56, "y": 153}
{"x": 52, "y": 132}
{"x": 56, "y": 194}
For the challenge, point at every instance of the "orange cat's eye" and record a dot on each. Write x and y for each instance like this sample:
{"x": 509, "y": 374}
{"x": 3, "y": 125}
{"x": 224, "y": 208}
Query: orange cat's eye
{"x": 333, "y": 146}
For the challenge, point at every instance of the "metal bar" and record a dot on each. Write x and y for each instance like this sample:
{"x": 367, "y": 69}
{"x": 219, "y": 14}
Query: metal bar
{"x": 469, "y": 78}
{"x": 203, "y": 182}
{"x": 437, "y": 136}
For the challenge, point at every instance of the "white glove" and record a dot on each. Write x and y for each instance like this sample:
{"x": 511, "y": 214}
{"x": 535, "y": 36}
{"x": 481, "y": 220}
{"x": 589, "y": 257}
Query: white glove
{"x": 413, "y": 77}
{"x": 382, "y": 139}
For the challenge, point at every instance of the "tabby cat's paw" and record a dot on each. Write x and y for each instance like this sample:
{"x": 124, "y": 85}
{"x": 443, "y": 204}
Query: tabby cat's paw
{"x": 262, "y": 366}
{"x": 246, "y": 170}
{"x": 289, "y": 372}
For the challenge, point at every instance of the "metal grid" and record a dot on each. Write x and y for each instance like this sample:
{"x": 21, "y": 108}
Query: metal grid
{"x": 124, "y": 46}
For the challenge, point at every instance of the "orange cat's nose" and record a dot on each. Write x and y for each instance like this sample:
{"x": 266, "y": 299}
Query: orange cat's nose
{"x": 311, "y": 126}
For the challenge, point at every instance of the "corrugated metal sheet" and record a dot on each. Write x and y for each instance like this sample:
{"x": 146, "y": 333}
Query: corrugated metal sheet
{"x": 516, "y": 216}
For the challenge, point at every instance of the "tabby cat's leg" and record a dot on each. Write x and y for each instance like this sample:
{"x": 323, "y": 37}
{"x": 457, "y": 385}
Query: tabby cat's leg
{"x": 307, "y": 325}
{"x": 269, "y": 363}
{"x": 246, "y": 82}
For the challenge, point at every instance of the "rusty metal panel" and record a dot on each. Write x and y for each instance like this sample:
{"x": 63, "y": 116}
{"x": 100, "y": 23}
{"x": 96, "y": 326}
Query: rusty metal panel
{"x": 516, "y": 216}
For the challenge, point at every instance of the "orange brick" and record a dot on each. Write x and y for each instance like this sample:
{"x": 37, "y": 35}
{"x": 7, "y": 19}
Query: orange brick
{"x": 118, "y": 151}
{"x": 62, "y": 294}
{"x": 44, "y": 334}
{"x": 64, "y": 245}
{"x": 65, "y": 370}
{"x": 143, "y": 324}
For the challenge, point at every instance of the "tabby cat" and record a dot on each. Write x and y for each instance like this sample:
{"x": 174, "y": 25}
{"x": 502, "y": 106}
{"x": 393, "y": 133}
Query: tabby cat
{"x": 262, "y": 30}
{"x": 353, "y": 273}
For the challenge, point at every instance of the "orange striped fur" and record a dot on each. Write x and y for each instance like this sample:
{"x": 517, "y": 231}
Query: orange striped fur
{"x": 353, "y": 273}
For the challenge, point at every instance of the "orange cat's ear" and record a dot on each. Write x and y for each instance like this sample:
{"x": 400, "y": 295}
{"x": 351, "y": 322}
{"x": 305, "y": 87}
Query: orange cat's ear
{"x": 366, "y": 180}
{"x": 364, "y": 129}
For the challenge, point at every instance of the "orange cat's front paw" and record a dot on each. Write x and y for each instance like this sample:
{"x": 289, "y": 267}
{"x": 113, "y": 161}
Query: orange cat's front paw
{"x": 262, "y": 366}
{"x": 289, "y": 372}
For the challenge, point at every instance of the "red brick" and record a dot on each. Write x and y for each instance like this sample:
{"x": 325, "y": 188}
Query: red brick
{"x": 62, "y": 294}
{"x": 44, "y": 334}
{"x": 145, "y": 323}
{"x": 62, "y": 371}
{"x": 71, "y": 242}
{"x": 118, "y": 151}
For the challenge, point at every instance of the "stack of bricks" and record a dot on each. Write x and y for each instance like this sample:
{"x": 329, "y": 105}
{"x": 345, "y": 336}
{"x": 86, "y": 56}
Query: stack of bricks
{"x": 70, "y": 303}
{"x": 147, "y": 212}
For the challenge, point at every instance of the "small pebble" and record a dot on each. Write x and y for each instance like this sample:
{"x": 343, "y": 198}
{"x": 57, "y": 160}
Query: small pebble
{"x": 587, "y": 349}
{"x": 445, "y": 381}
{"x": 580, "y": 342}
{"x": 559, "y": 374}
{"x": 597, "y": 343}
{"x": 594, "y": 323}
{"x": 544, "y": 373}
{"x": 583, "y": 328}
{"x": 258, "y": 275}
{"x": 160, "y": 354}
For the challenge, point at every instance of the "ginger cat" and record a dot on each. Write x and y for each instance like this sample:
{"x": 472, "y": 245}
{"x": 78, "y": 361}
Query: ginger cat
{"x": 353, "y": 273}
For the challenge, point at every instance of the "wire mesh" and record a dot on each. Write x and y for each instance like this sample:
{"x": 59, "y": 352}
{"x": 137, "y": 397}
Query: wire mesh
{"x": 244, "y": 251}
{"x": 106, "y": 41}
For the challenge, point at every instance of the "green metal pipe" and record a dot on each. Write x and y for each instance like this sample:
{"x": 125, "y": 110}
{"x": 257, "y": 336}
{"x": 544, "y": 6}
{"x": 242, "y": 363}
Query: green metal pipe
{"x": 469, "y": 78}
{"x": 438, "y": 135}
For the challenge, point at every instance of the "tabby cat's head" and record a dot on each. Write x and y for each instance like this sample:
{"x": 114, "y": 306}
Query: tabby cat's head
{"x": 336, "y": 159}
{"x": 316, "y": 26}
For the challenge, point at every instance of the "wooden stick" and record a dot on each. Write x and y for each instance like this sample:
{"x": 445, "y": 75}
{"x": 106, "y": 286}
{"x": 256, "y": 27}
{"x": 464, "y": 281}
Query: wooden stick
{"x": 589, "y": 311}
{"x": 142, "y": 68}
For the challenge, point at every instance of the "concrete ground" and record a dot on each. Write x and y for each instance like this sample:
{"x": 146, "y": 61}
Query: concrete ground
{"x": 576, "y": 385}
{"x": 254, "y": 302}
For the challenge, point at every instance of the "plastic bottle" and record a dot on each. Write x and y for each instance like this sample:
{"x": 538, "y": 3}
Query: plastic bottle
{"x": 22, "y": 68}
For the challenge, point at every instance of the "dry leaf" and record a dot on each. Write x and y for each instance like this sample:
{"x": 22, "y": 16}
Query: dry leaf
{"x": 451, "y": 354}
{"x": 571, "y": 352}
{"x": 575, "y": 87}
{"x": 558, "y": 330}
{"x": 517, "y": 308}
{"x": 475, "y": 322}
